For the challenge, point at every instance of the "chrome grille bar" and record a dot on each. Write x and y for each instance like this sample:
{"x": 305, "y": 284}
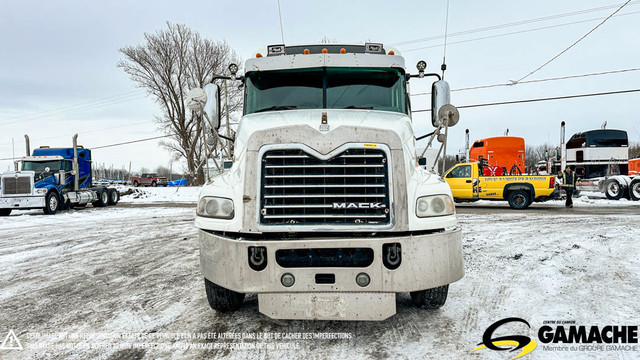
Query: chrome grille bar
{"x": 351, "y": 188}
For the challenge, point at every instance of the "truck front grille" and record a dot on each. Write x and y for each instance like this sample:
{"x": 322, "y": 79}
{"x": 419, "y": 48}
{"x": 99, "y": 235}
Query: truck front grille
{"x": 351, "y": 188}
{"x": 16, "y": 186}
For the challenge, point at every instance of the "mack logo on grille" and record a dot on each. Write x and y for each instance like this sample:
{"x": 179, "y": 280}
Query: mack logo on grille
{"x": 365, "y": 205}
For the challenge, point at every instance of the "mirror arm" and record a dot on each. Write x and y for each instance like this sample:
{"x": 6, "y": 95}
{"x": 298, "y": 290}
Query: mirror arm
{"x": 423, "y": 75}
{"x": 226, "y": 138}
{"x": 425, "y": 136}
{"x": 237, "y": 78}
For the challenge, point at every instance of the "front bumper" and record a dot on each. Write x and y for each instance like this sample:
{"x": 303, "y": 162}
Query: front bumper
{"x": 22, "y": 202}
{"x": 428, "y": 261}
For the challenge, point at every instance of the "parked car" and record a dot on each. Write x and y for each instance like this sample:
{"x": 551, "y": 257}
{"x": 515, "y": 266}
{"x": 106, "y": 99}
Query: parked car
{"x": 149, "y": 179}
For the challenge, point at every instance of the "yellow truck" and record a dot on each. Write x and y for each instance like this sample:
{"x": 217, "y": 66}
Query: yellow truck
{"x": 468, "y": 184}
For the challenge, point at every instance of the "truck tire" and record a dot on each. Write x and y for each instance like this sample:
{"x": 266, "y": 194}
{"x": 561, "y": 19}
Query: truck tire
{"x": 519, "y": 199}
{"x": 5, "y": 212}
{"x": 613, "y": 189}
{"x": 136, "y": 183}
{"x": 103, "y": 198}
{"x": 430, "y": 298}
{"x": 114, "y": 196}
{"x": 634, "y": 189}
{"x": 51, "y": 203}
{"x": 221, "y": 299}
{"x": 154, "y": 184}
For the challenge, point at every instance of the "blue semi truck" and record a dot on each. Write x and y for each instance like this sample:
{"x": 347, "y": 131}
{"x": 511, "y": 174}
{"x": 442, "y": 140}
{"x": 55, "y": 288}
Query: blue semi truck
{"x": 53, "y": 179}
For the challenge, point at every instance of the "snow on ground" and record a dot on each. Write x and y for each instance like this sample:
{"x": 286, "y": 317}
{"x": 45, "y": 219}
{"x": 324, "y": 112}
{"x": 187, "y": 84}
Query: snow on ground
{"x": 585, "y": 199}
{"x": 120, "y": 277}
{"x": 150, "y": 195}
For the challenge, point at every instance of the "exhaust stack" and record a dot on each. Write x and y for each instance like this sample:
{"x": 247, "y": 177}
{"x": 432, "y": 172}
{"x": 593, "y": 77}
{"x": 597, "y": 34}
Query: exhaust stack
{"x": 467, "y": 149}
{"x": 27, "y": 144}
{"x": 563, "y": 147}
{"x": 75, "y": 163}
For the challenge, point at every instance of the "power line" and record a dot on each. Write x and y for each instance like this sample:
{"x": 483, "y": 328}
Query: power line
{"x": 131, "y": 142}
{"x": 516, "y": 32}
{"x": 516, "y": 23}
{"x": 81, "y": 104}
{"x": 52, "y": 114}
{"x": 540, "y": 99}
{"x": 575, "y": 43}
{"x": 513, "y": 83}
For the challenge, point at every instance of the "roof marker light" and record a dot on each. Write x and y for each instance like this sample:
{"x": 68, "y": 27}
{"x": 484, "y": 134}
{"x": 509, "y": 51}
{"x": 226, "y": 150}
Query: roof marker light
{"x": 343, "y": 51}
{"x": 306, "y": 51}
{"x": 324, "y": 51}
{"x": 258, "y": 55}
{"x": 391, "y": 52}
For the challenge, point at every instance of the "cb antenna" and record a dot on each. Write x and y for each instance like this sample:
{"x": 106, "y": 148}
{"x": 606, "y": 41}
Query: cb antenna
{"x": 443, "y": 67}
{"x": 281, "y": 30}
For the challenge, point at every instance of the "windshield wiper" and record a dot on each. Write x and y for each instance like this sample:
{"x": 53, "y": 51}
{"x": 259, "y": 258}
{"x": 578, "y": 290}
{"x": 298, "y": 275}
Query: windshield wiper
{"x": 358, "y": 107}
{"x": 277, "y": 107}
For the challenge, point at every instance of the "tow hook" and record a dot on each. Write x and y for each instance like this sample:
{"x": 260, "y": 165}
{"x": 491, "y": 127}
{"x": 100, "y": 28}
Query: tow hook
{"x": 257, "y": 257}
{"x": 392, "y": 255}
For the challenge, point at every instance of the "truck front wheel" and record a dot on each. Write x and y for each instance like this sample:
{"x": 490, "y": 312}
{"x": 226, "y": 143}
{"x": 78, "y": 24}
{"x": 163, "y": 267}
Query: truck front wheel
{"x": 136, "y": 183}
{"x": 5, "y": 212}
{"x": 430, "y": 298}
{"x": 519, "y": 199}
{"x": 221, "y": 299}
{"x": 51, "y": 203}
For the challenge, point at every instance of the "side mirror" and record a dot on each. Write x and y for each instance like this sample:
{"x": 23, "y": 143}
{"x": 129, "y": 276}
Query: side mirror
{"x": 212, "y": 107}
{"x": 61, "y": 177}
{"x": 207, "y": 100}
{"x": 440, "y": 96}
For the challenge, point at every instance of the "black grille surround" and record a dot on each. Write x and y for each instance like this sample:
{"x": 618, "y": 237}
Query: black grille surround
{"x": 16, "y": 186}
{"x": 352, "y": 188}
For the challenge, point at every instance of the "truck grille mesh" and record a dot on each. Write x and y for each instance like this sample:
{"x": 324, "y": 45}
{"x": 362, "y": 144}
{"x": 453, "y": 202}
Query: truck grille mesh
{"x": 16, "y": 186}
{"x": 348, "y": 189}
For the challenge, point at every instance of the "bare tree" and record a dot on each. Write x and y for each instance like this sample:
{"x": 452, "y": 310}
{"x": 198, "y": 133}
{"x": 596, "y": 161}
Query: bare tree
{"x": 170, "y": 63}
{"x": 634, "y": 150}
{"x": 535, "y": 153}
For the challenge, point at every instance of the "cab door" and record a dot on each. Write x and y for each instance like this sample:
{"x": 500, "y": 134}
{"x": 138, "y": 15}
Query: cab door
{"x": 460, "y": 180}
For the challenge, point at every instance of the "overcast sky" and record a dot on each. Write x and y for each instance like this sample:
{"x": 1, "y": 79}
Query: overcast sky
{"x": 58, "y": 72}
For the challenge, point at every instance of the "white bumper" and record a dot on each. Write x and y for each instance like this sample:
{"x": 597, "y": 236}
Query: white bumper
{"x": 22, "y": 202}
{"x": 428, "y": 261}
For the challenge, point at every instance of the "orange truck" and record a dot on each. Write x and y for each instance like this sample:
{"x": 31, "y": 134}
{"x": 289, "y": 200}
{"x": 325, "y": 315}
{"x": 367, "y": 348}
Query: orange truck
{"x": 500, "y": 152}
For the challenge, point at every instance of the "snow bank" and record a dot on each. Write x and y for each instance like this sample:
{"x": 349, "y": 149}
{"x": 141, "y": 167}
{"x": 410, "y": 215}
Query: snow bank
{"x": 149, "y": 195}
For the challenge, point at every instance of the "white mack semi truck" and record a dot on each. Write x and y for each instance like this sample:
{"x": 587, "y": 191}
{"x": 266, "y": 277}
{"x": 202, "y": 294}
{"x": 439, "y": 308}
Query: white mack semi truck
{"x": 325, "y": 212}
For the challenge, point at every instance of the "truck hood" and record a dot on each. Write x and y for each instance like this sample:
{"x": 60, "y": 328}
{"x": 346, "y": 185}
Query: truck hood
{"x": 385, "y": 120}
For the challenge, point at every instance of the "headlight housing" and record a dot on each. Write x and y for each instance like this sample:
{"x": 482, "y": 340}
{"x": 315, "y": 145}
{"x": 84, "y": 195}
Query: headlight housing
{"x": 215, "y": 207}
{"x": 41, "y": 191}
{"x": 434, "y": 205}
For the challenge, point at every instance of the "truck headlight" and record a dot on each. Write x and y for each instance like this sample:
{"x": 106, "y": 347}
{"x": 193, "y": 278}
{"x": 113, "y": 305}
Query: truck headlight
{"x": 41, "y": 191}
{"x": 215, "y": 207}
{"x": 434, "y": 205}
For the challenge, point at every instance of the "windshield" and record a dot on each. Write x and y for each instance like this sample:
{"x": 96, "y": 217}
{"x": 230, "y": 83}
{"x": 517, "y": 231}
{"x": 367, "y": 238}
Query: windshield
{"x": 326, "y": 88}
{"x": 39, "y": 166}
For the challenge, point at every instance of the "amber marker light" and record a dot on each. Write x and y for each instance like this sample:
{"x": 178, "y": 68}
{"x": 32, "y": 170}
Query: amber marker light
{"x": 258, "y": 55}
{"x": 343, "y": 51}
{"x": 306, "y": 51}
{"x": 391, "y": 52}
{"x": 324, "y": 51}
